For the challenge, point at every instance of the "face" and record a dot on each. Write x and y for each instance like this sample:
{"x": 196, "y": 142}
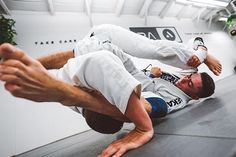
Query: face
{"x": 190, "y": 85}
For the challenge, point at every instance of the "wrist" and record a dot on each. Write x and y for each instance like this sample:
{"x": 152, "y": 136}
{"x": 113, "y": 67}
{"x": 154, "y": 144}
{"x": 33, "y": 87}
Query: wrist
{"x": 147, "y": 134}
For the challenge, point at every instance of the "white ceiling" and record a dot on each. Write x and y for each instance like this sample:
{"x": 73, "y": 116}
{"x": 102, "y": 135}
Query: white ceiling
{"x": 141, "y": 8}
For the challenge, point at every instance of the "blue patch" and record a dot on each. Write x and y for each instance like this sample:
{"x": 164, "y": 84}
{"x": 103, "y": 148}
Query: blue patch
{"x": 159, "y": 107}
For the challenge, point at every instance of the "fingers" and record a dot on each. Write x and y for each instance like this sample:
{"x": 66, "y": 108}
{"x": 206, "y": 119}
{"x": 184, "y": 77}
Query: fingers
{"x": 7, "y": 51}
{"x": 132, "y": 140}
{"x": 120, "y": 152}
{"x": 194, "y": 61}
{"x": 116, "y": 149}
{"x": 110, "y": 150}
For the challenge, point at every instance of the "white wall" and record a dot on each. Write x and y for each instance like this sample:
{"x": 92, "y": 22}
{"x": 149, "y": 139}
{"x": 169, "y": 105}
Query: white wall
{"x": 25, "y": 125}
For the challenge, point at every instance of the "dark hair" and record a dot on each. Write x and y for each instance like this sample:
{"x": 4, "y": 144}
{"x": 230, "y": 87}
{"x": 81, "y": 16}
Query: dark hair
{"x": 208, "y": 86}
{"x": 102, "y": 123}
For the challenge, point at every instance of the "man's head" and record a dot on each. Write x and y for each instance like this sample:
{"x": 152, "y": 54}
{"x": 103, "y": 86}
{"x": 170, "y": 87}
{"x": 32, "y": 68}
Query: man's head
{"x": 102, "y": 123}
{"x": 197, "y": 85}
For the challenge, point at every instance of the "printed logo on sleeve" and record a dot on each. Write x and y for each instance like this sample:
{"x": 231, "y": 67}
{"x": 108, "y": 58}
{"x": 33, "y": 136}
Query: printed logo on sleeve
{"x": 174, "y": 102}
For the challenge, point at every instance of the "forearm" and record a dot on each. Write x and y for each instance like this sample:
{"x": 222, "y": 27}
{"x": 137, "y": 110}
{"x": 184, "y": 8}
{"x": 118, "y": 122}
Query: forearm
{"x": 56, "y": 60}
{"x": 94, "y": 101}
{"x": 134, "y": 108}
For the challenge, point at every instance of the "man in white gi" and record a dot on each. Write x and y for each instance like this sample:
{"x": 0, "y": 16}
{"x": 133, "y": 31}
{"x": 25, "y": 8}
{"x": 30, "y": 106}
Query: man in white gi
{"x": 27, "y": 78}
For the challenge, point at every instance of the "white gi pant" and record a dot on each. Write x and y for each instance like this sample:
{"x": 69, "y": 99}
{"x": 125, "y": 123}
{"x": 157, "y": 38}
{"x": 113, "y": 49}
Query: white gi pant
{"x": 168, "y": 52}
{"x": 104, "y": 72}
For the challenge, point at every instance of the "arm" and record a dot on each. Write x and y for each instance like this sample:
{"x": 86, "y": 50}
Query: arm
{"x": 56, "y": 60}
{"x": 142, "y": 133}
{"x": 135, "y": 113}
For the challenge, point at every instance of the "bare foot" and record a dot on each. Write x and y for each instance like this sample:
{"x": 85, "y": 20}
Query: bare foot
{"x": 25, "y": 77}
{"x": 213, "y": 64}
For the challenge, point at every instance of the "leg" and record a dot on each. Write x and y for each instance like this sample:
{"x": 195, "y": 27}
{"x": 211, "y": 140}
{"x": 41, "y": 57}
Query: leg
{"x": 168, "y": 52}
{"x": 91, "y": 45}
{"x": 26, "y": 78}
{"x": 211, "y": 62}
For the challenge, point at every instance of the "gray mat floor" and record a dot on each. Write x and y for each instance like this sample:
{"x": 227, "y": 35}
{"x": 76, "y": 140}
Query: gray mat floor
{"x": 203, "y": 129}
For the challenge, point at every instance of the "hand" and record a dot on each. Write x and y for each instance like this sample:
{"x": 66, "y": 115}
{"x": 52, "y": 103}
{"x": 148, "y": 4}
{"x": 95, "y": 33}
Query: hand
{"x": 156, "y": 71}
{"x": 194, "y": 61}
{"x": 26, "y": 78}
{"x": 132, "y": 140}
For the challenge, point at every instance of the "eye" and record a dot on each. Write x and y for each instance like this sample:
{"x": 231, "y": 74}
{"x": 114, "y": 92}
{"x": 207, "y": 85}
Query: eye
{"x": 190, "y": 83}
{"x": 189, "y": 76}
